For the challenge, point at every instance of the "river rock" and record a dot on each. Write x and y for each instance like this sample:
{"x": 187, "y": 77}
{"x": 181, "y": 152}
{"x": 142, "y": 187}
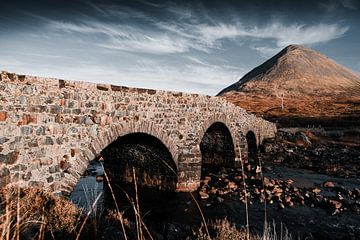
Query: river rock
{"x": 287, "y": 199}
{"x": 356, "y": 192}
{"x": 213, "y": 191}
{"x": 232, "y": 185}
{"x": 316, "y": 190}
{"x": 329, "y": 184}
{"x": 207, "y": 180}
{"x": 99, "y": 178}
{"x": 203, "y": 195}
{"x": 335, "y": 204}
{"x": 238, "y": 178}
{"x": 290, "y": 182}
{"x": 267, "y": 182}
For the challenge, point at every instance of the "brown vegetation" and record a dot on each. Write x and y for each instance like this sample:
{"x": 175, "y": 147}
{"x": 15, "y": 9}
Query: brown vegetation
{"x": 33, "y": 213}
{"x": 298, "y": 82}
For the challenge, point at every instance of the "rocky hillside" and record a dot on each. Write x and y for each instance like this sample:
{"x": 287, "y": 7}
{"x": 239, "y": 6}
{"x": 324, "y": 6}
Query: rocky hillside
{"x": 298, "y": 82}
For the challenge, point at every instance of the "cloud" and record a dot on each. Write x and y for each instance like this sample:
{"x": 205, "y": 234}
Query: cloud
{"x": 266, "y": 51}
{"x": 300, "y": 33}
{"x": 334, "y": 5}
{"x": 187, "y": 31}
{"x": 350, "y": 4}
{"x": 194, "y": 78}
{"x": 124, "y": 37}
{"x": 206, "y": 37}
{"x": 282, "y": 34}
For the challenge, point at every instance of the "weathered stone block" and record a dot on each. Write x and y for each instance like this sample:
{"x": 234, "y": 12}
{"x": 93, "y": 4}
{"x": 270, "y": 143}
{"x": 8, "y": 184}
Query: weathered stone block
{"x": 50, "y": 179}
{"x": 73, "y": 130}
{"x": 61, "y": 83}
{"x": 26, "y": 130}
{"x": 27, "y": 119}
{"x": 19, "y": 167}
{"x": 4, "y": 176}
{"x": 40, "y": 130}
{"x": 3, "y": 116}
{"x": 55, "y": 109}
{"x": 54, "y": 169}
{"x": 64, "y": 164}
{"x": 16, "y": 177}
{"x": 3, "y": 140}
{"x": 55, "y": 186}
{"x": 29, "y": 89}
{"x": 33, "y": 143}
{"x": 49, "y": 141}
{"x": 27, "y": 176}
{"x": 9, "y": 158}
{"x": 36, "y": 184}
{"x": 76, "y": 111}
{"x": 102, "y": 87}
{"x": 46, "y": 161}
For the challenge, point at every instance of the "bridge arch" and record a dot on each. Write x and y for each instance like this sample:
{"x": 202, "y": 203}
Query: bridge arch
{"x": 105, "y": 137}
{"x": 143, "y": 155}
{"x": 252, "y": 147}
{"x": 221, "y": 118}
{"x": 217, "y": 146}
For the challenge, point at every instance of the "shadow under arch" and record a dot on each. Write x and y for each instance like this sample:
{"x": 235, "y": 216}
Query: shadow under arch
{"x": 155, "y": 172}
{"x": 252, "y": 148}
{"x": 217, "y": 148}
{"x": 145, "y": 154}
{"x": 105, "y": 137}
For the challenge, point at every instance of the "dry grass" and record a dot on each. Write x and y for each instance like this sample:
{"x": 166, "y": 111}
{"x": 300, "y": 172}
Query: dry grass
{"x": 309, "y": 106}
{"x": 224, "y": 230}
{"x": 33, "y": 213}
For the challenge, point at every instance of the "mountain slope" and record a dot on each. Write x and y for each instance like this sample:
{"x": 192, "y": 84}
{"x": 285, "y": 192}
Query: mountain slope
{"x": 296, "y": 82}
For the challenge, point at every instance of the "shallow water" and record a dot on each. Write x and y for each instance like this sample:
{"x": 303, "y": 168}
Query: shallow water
{"x": 87, "y": 188}
{"x": 179, "y": 209}
{"x": 307, "y": 178}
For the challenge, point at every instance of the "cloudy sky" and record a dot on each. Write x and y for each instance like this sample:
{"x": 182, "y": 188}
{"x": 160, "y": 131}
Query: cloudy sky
{"x": 191, "y": 46}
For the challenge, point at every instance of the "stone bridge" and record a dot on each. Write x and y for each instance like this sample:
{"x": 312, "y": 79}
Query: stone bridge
{"x": 51, "y": 129}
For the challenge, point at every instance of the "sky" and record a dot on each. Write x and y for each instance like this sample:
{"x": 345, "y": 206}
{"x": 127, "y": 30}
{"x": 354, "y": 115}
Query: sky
{"x": 190, "y": 46}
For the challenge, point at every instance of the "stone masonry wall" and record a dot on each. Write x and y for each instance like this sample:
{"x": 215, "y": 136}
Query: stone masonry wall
{"x": 50, "y": 129}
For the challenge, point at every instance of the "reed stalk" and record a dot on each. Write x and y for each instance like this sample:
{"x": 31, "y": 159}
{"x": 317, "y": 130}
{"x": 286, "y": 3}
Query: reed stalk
{"x": 116, "y": 205}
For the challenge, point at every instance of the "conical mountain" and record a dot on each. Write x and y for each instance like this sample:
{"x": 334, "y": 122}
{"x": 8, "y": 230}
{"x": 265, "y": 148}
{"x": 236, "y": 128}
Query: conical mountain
{"x": 297, "y": 81}
{"x": 297, "y": 70}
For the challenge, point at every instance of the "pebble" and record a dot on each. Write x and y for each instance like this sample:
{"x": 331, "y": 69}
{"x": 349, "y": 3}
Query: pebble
{"x": 203, "y": 195}
{"x": 267, "y": 182}
{"x": 99, "y": 178}
{"x": 290, "y": 181}
{"x": 329, "y": 184}
{"x": 287, "y": 199}
{"x": 357, "y": 192}
{"x": 232, "y": 185}
{"x": 316, "y": 190}
{"x": 335, "y": 204}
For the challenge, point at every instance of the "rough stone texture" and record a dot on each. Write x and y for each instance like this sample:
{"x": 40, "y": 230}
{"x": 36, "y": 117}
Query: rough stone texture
{"x": 53, "y": 128}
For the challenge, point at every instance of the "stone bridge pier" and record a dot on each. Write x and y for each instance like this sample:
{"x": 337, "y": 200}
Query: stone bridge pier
{"x": 50, "y": 129}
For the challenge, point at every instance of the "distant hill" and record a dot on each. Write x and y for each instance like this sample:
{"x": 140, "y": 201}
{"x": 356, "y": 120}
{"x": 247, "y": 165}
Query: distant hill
{"x": 298, "y": 82}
